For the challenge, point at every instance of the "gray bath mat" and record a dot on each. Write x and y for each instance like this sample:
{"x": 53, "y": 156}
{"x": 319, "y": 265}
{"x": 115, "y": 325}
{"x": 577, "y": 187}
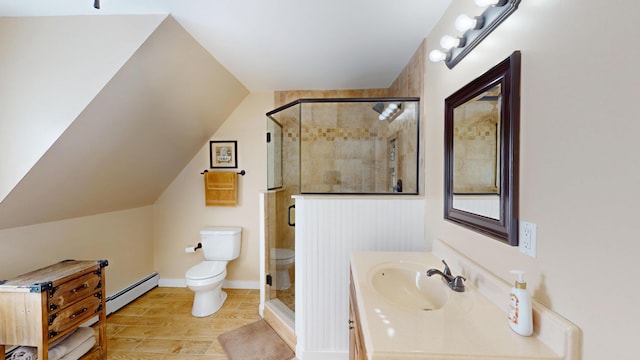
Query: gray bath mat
{"x": 255, "y": 341}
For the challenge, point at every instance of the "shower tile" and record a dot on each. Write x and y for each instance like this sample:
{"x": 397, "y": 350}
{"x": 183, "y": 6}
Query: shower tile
{"x": 330, "y": 177}
{"x": 353, "y": 150}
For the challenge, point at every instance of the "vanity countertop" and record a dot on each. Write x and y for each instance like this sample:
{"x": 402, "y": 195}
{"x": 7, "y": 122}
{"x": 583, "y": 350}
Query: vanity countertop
{"x": 468, "y": 326}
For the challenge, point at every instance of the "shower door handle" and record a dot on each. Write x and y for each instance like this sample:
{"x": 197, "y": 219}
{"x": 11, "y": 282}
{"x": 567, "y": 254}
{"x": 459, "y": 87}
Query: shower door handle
{"x": 289, "y": 216}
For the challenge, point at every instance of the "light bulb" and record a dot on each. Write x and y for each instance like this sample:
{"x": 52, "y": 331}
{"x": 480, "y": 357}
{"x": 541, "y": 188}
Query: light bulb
{"x": 447, "y": 42}
{"x": 464, "y": 23}
{"x": 437, "y": 55}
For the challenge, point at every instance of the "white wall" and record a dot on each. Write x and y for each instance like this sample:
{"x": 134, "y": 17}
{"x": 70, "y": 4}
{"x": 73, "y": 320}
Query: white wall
{"x": 579, "y": 148}
{"x": 124, "y": 238}
{"x": 180, "y": 213}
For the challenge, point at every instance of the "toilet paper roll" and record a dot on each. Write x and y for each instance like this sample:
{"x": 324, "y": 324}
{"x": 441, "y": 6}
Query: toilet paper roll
{"x": 190, "y": 249}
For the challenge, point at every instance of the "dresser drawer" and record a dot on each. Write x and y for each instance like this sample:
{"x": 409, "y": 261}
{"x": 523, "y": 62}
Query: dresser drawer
{"x": 73, "y": 290}
{"x": 74, "y": 314}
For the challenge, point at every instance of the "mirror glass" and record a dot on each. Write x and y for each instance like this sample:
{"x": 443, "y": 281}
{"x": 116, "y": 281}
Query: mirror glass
{"x": 481, "y": 152}
{"x": 476, "y": 149}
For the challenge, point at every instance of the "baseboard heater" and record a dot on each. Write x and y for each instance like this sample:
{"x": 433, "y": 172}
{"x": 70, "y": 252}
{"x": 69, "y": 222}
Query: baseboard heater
{"x": 120, "y": 299}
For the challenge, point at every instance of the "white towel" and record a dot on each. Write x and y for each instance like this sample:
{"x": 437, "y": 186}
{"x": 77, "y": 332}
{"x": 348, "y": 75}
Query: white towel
{"x": 59, "y": 348}
{"x": 70, "y": 343}
{"x": 60, "y": 339}
{"x": 25, "y": 353}
{"x": 80, "y": 350}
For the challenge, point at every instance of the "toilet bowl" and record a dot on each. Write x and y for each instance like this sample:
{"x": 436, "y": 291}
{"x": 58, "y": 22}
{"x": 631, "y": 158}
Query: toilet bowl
{"x": 283, "y": 259}
{"x": 205, "y": 280}
{"x": 219, "y": 245}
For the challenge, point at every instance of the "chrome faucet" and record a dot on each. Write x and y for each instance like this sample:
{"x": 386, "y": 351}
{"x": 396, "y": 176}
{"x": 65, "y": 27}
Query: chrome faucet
{"x": 456, "y": 283}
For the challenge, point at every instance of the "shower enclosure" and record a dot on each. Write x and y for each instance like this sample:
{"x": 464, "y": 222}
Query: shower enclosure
{"x": 364, "y": 146}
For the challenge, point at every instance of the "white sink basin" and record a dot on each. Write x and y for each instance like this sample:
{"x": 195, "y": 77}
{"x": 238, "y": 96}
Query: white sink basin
{"x": 405, "y": 284}
{"x": 392, "y": 292}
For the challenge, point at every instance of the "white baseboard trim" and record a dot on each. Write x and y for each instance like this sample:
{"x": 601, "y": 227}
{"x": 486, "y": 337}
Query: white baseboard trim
{"x": 241, "y": 284}
{"x": 172, "y": 283}
{"x": 228, "y": 284}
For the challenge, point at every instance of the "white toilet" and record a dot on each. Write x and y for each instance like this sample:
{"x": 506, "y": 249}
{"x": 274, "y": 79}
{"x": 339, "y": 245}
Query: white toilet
{"x": 220, "y": 245}
{"x": 283, "y": 258}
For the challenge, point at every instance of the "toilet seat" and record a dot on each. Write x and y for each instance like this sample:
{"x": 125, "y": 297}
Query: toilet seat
{"x": 282, "y": 254}
{"x": 206, "y": 270}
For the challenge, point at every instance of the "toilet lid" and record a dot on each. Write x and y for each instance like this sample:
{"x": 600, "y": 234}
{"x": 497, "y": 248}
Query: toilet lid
{"x": 221, "y": 230}
{"x": 282, "y": 254}
{"x": 206, "y": 269}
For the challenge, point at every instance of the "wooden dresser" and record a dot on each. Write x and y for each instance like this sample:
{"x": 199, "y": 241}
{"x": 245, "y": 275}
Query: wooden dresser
{"x": 40, "y": 307}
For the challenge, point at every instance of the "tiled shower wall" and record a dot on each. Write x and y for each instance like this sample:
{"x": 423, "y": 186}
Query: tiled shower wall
{"x": 339, "y": 147}
{"x": 344, "y": 148}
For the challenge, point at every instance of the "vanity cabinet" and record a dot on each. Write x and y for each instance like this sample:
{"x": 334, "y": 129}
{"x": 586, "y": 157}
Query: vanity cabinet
{"x": 44, "y": 305}
{"x": 357, "y": 350}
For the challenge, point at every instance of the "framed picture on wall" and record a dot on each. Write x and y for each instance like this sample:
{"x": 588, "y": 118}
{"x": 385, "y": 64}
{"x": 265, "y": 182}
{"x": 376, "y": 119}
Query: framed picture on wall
{"x": 223, "y": 154}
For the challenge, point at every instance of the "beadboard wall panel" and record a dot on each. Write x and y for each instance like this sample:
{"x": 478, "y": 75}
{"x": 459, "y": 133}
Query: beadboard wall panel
{"x": 328, "y": 229}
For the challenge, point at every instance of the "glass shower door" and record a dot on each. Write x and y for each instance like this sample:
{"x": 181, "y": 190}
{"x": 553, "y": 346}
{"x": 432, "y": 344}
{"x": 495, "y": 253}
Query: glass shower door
{"x": 283, "y": 171}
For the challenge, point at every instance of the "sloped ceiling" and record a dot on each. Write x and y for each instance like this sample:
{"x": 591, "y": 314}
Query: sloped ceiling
{"x": 284, "y": 44}
{"x": 50, "y": 69}
{"x": 134, "y": 137}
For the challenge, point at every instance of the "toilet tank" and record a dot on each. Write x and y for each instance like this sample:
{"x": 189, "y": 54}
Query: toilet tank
{"x": 221, "y": 242}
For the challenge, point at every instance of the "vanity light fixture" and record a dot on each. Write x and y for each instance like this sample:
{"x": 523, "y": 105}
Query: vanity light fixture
{"x": 473, "y": 29}
{"x": 388, "y": 113}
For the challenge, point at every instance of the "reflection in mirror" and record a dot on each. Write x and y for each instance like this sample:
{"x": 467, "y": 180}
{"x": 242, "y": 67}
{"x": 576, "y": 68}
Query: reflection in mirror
{"x": 476, "y": 145}
{"x": 481, "y": 152}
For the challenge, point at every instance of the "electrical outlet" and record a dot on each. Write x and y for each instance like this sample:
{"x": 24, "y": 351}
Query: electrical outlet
{"x": 527, "y": 238}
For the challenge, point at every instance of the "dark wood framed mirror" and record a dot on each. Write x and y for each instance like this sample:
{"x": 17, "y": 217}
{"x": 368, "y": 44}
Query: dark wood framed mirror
{"x": 482, "y": 131}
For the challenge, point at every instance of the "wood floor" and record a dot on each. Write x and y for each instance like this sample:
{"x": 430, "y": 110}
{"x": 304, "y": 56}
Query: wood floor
{"x": 159, "y": 326}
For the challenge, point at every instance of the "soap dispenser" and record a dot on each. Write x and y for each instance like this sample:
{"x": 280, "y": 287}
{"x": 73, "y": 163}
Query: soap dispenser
{"x": 520, "y": 311}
